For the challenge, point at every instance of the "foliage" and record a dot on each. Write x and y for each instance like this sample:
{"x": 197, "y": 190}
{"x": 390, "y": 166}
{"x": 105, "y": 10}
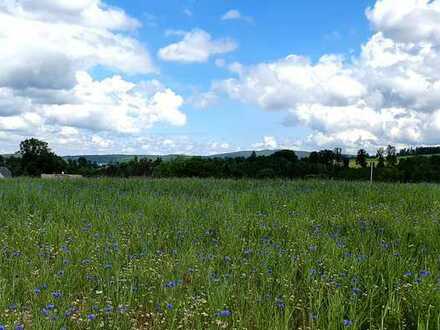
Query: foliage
{"x": 35, "y": 158}
{"x": 361, "y": 158}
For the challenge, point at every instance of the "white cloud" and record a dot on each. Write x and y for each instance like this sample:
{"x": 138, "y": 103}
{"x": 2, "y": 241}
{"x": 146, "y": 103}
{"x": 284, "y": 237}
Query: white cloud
{"x": 47, "y": 49}
{"x": 388, "y": 94}
{"x": 409, "y": 21}
{"x": 116, "y": 105}
{"x": 197, "y": 46}
{"x": 234, "y": 14}
{"x": 56, "y": 39}
{"x": 269, "y": 142}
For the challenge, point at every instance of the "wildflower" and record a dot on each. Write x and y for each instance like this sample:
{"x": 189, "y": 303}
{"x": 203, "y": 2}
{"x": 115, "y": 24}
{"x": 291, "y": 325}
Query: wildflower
{"x": 247, "y": 252}
{"x": 45, "y": 312}
{"x": 356, "y": 291}
{"x": 12, "y": 307}
{"x": 280, "y": 303}
{"x": 170, "y": 306}
{"x": 19, "y": 327}
{"x": 348, "y": 323}
{"x": 50, "y": 307}
{"x": 37, "y": 291}
{"x": 425, "y": 273}
{"x": 224, "y": 313}
{"x": 313, "y": 317}
{"x": 108, "y": 309}
{"x": 60, "y": 273}
{"x": 91, "y": 317}
{"x": 407, "y": 274}
{"x": 172, "y": 284}
{"x": 313, "y": 248}
{"x": 2, "y": 327}
{"x": 56, "y": 294}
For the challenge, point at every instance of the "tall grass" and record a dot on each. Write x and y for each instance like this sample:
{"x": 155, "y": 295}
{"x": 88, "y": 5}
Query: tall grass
{"x": 199, "y": 254}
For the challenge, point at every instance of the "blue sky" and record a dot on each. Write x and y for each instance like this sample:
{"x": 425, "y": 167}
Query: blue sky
{"x": 276, "y": 29}
{"x": 204, "y": 77}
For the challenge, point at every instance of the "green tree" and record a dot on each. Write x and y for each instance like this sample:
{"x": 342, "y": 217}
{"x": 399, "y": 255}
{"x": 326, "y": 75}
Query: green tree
{"x": 37, "y": 158}
{"x": 380, "y": 157}
{"x": 391, "y": 156}
{"x": 361, "y": 158}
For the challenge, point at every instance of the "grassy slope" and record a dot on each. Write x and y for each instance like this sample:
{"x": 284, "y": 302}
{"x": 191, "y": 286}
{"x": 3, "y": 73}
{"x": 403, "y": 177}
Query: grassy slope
{"x": 276, "y": 254}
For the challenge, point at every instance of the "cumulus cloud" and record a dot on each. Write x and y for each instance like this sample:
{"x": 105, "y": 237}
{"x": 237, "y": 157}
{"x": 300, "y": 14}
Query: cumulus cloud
{"x": 116, "y": 105}
{"x": 388, "y": 94}
{"x": 47, "y": 49}
{"x": 197, "y": 46}
{"x": 269, "y": 142}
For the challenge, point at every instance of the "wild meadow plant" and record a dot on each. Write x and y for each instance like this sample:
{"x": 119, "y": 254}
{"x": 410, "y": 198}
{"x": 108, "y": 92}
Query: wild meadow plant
{"x": 201, "y": 254}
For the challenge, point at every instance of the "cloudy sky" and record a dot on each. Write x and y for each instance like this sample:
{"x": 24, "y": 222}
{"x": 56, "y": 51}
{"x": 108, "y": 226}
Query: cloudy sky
{"x": 203, "y": 77}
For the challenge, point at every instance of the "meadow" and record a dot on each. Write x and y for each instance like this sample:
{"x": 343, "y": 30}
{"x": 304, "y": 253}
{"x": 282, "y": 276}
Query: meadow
{"x": 218, "y": 254}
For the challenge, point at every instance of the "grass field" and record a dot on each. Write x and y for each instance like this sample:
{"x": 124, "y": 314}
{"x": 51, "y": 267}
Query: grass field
{"x": 201, "y": 254}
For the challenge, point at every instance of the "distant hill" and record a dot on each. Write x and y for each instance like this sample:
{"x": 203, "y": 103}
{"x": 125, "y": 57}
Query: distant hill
{"x": 113, "y": 159}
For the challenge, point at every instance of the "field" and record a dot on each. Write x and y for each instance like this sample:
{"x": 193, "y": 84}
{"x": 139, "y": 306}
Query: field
{"x": 202, "y": 254}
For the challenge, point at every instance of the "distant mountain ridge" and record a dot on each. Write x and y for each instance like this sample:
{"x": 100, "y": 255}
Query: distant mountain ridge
{"x": 119, "y": 158}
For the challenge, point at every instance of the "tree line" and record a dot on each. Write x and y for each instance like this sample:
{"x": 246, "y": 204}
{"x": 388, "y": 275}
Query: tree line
{"x": 35, "y": 158}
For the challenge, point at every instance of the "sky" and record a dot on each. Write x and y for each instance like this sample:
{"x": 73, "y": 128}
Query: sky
{"x": 211, "y": 76}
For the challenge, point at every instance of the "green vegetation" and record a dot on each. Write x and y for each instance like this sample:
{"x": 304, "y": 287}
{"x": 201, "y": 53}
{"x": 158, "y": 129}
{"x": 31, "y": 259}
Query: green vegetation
{"x": 201, "y": 254}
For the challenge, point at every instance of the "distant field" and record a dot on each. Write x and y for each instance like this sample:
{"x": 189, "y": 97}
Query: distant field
{"x": 354, "y": 165}
{"x": 202, "y": 254}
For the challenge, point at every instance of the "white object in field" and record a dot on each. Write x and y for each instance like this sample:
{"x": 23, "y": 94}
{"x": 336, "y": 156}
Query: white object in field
{"x": 371, "y": 173}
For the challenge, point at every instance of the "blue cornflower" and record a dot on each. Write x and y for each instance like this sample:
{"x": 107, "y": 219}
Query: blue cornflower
{"x": 280, "y": 303}
{"x": 172, "y": 284}
{"x": 224, "y": 313}
{"x": 313, "y": 248}
{"x": 45, "y": 312}
{"x": 60, "y": 273}
{"x": 56, "y": 294}
{"x": 247, "y": 252}
{"x": 108, "y": 309}
{"x": 425, "y": 273}
{"x": 170, "y": 306}
{"x": 19, "y": 327}
{"x": 407, "y": 274}
{"x": 37, "y": 291}
{"x": 108, "y": 266}
{"x": 50, "y": 307}
{"x": 12, "y": 307}
{"x": 356, "y": 291}
{"x": 348, "y": 323}
{"x": 2, "y": 327}
{"x": 91, "y": 317}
